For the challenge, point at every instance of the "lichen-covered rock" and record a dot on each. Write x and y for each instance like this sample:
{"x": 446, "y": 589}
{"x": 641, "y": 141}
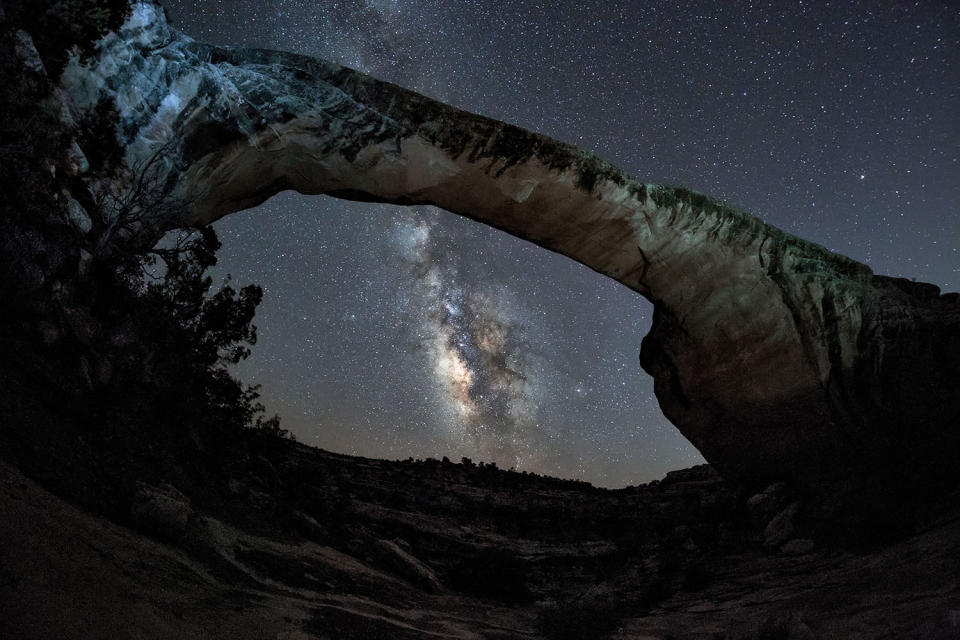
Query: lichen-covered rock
{"x": 777, "y": 358}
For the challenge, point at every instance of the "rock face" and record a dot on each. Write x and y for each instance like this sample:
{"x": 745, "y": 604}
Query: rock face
{"x": 431, "y": 550}
{"x": 775, "y": 357}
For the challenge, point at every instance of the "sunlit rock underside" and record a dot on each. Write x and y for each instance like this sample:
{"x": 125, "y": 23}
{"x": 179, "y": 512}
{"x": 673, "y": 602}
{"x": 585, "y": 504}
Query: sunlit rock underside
{"x": 774, "y": 356}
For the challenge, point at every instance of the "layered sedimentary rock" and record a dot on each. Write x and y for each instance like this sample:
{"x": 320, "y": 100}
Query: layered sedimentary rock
{"x": 355, "y": 548}
{"x": 774, "y": 356}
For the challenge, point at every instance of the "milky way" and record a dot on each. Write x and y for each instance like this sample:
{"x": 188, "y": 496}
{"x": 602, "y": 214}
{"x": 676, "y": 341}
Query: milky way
{"x": 475, "y": 345}
{"x": 399, "y": 332}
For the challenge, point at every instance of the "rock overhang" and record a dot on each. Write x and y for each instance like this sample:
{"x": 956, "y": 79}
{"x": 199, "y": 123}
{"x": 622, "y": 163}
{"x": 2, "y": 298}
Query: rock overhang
{"x": 774, "y": 356}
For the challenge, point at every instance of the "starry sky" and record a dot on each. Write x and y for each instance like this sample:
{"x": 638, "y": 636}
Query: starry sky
{"x": 393, "y": 332}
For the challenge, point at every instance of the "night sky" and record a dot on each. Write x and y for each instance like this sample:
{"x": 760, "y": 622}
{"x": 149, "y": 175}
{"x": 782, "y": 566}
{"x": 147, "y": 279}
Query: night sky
{"x": 393, "y": 332}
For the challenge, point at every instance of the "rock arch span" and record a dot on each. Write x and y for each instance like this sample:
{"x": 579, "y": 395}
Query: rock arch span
{"x": 774, "y": 356}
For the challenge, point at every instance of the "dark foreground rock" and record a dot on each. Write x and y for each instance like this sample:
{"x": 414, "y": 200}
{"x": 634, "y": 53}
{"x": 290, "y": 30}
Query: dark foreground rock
{"x": 354, "y": 548}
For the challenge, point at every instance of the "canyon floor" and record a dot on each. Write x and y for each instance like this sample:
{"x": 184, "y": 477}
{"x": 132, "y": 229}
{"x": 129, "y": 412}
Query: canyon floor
{"x": 310, "y": 544}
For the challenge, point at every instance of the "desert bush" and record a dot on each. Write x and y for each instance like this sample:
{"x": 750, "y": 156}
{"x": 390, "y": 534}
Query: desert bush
{"x": 115, "y": 356}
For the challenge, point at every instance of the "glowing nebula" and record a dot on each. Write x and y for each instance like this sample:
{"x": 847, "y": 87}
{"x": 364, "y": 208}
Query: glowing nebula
{"x": 477, "y": 351}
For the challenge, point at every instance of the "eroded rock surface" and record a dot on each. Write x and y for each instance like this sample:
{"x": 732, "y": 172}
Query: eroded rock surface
{"x": 777, "y": 358}
{"x": 439, "y": 550}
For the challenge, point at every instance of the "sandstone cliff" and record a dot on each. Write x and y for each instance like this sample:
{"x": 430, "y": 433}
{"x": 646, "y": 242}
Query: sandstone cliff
{"x": 774, "y": 356}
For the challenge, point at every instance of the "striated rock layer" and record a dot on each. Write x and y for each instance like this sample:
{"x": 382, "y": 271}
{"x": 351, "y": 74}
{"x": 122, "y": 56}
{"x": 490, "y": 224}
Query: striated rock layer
{"x": 354, "y": 548}
{"x": 774, "y": 356}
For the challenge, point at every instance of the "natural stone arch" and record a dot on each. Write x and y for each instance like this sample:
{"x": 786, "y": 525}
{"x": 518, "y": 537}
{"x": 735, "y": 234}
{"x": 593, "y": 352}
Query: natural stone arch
{"x": 774, "y": 356}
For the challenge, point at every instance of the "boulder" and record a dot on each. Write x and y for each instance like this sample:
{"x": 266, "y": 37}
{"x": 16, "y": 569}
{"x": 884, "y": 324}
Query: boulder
{"x": 76, "y": 160}
{"x": 407, "y": 565}
{"x": 781, "y": 527}
{"x": 161, "y": 510}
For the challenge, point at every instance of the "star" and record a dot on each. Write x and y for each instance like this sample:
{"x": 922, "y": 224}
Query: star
{"x": 767, "y": 107}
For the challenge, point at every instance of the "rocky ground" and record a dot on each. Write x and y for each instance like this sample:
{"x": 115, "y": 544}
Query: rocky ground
{"x": 309, "y": 544}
